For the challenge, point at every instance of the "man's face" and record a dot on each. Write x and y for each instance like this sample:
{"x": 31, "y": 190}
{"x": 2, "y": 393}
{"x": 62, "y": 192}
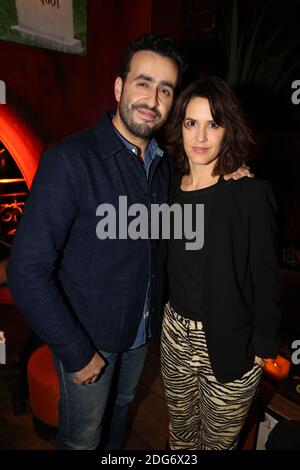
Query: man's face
{"x": 146, "y": 96}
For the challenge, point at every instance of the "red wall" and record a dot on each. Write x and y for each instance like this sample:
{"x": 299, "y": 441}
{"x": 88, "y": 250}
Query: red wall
{"x": 58, "y": 93}
{"x": 62, "y": 92}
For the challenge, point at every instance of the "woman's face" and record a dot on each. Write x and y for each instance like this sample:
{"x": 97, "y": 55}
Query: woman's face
{"x": 202, "y": 137}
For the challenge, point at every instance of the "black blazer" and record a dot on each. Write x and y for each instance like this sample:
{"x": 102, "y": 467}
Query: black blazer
{"x": 242, "y": 276}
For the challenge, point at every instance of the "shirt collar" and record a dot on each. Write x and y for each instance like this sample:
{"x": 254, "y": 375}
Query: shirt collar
{"x": 152, "y": 150}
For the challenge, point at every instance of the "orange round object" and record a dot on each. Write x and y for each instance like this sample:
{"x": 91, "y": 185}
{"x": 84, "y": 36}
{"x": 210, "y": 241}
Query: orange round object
{"x": 278, "y": 368}
{"x": 21, "y": 142}
{"x": 43, "y": 386}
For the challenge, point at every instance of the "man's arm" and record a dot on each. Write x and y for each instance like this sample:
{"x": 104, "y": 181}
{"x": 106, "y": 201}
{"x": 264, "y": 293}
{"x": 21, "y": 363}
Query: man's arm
{"x": 49, "y": 213}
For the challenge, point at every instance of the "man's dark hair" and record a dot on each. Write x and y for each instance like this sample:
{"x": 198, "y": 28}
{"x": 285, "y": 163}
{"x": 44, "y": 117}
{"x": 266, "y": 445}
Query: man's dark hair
{"x": 158, "y": 43}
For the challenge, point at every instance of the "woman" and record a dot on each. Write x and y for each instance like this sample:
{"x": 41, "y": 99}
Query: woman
{"x": 222, "y": 317}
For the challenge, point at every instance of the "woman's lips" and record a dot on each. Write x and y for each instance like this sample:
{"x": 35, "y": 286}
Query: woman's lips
{"x": 200, "y": 149}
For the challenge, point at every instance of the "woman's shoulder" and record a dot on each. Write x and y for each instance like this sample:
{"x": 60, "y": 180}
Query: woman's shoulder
{"x": 254, "y": 190}
{"x": 251, "y": 185}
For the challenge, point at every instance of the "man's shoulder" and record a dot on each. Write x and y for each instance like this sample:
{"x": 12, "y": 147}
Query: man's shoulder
{"x": 72, "y": 148}
{"x": 79, "y": 142}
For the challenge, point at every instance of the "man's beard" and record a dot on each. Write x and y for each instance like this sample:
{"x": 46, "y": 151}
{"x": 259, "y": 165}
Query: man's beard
{"x": 139, "y": 130}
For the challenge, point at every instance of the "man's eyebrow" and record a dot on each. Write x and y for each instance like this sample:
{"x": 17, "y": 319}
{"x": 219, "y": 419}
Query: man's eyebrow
{"x": 168, "y": 84}
{"x": 148, "y": 78}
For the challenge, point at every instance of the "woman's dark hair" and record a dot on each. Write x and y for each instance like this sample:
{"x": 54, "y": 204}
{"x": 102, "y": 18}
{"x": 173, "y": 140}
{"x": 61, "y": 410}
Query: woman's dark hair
{"x": 225, "y": 111}
{"x": 158, "y": 43}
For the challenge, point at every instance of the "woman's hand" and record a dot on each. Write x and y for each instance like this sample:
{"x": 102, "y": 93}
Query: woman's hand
{"x": 259, "y": 361}
{"x": 2, "y": 337}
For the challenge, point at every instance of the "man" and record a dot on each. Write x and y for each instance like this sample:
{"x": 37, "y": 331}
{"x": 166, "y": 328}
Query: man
{"x": 91, "y": 300}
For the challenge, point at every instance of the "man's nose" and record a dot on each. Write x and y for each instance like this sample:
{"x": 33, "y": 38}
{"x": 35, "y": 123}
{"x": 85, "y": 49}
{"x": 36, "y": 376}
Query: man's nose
{"x": 152, "y": 98}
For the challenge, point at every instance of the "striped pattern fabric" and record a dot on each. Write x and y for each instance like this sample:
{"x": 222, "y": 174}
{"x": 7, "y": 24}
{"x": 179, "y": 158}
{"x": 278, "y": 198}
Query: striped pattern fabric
{"x": 204, "y": 413}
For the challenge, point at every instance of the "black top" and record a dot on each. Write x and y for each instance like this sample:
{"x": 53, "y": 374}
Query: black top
{"x": 186, "y": 269}
{"x": 241, "y": 276}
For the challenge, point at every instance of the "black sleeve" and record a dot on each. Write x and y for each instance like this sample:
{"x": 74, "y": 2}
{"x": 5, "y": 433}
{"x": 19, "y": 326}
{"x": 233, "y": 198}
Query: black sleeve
{"x": 264, "y": 269}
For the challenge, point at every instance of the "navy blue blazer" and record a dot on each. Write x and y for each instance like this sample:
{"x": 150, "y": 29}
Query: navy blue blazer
{"x": 78, "y": 292}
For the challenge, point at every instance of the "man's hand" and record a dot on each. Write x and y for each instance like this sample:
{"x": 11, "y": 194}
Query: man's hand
{"x": 90, "y": 373}
{"x": 242, "y": 171}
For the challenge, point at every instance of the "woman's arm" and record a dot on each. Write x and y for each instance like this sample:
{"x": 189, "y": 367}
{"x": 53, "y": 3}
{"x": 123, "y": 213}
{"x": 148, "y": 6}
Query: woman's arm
{"x": 264, "y": 268}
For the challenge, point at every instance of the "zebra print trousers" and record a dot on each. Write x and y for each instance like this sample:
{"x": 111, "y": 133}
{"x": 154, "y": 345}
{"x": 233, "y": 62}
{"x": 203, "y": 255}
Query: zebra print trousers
{"x": 204, "y": 413}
